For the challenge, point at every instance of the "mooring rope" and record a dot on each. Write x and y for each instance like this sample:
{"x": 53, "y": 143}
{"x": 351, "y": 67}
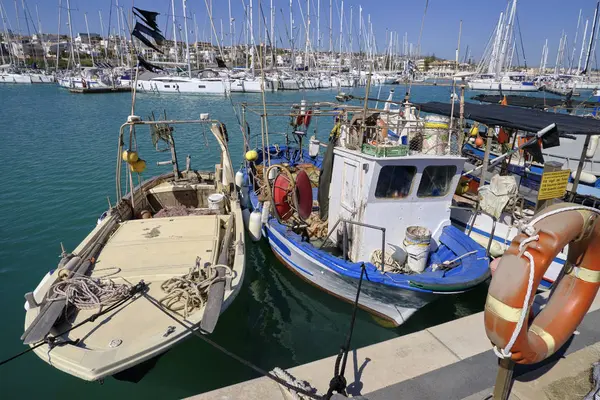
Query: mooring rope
{"x": 86, "y": 293}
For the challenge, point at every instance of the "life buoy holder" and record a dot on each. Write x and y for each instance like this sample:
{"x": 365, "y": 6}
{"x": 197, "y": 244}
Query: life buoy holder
{"x": 509, "y": 324}
{"x": 291, "y": 194}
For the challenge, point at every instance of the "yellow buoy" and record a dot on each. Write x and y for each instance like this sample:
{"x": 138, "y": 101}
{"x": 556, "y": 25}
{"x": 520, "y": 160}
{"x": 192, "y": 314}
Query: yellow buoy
{"x": 252, "y": 155}
{"x": 130, "y": 156}
{"x": 139, "y": 166}
{"x": 474, "y": 131}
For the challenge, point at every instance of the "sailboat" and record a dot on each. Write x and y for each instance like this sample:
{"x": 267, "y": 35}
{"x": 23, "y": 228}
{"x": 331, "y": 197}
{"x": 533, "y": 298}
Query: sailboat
{"x": 497, "y": 61}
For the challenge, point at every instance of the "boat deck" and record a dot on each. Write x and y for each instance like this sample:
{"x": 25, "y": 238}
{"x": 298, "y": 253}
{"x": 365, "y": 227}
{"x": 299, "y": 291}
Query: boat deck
{"x": 152, "y": 250}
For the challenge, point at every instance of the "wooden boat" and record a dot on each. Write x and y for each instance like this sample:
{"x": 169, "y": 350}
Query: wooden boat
{"x": 168, "y": 259}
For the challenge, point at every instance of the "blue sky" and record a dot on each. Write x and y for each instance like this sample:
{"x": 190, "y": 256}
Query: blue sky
{"x": 539, "y": 19}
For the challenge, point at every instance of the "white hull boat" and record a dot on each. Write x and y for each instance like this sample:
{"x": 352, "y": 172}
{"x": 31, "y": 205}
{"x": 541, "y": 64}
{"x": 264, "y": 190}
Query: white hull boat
{"x": 167, "y": 260}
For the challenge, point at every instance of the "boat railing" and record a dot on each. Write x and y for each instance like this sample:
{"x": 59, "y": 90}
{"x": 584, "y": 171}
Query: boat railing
{"x": 345, "y": 236}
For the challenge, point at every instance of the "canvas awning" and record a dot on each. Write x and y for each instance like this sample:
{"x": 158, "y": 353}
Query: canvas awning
{"x": 517, "y": 118}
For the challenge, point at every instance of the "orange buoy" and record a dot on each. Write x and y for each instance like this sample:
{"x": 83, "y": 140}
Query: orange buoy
{"x": 478, "y": 141}
{"x": 507, "y": 319}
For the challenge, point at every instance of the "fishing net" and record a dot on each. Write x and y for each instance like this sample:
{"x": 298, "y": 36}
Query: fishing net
{"x": 161, "y": 133}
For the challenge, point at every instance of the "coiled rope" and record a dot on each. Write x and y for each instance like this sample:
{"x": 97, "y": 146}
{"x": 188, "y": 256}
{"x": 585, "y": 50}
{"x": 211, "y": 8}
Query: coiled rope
{"x": 86, "y": 293}
{"x": 190, "y": 291}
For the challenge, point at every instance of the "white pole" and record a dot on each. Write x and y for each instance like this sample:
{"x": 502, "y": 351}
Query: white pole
{"x": 341, "y": 31}
{"x": 272, "y": 34}
{"x": 174, "y": 31}
{"x": 70, "y": 29}
{"x": 292, "y": 34}
{"x": 187, "y": 43}
{"x": 58, "y": 34}
{"x": 87, "y": 28}
{"x": 306, "y": 45}
{"x": 102, "y": 34}
{"x": 575, "y": 42}
{"x": 231, "y": 34}
{"x": 330, "y": 27}
{"x": 318, "y": 25}
{"x": 39, "y": 29}
{"x": 196, "y": 41}
{"x": 582, "y": 46}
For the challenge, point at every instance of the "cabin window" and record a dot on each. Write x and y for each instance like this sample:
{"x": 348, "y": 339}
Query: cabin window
{"x": 201, "y": 86}
{"x": 395, "y": 181}
{"x": 436, "y": 180}
{"x": 167, "y": 86}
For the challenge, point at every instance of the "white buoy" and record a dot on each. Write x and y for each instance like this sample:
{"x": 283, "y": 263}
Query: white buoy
{"x": 591, "y": 150}
{"x": 246, "y": 218}
{"x": 585, "y": 177}
{"x": 244, "y": 197}
{"x": 239, "y": 179}
{"x": 313, "y": 147}
{"x": 254, "y": 225}
{"x": 266, "y": 211}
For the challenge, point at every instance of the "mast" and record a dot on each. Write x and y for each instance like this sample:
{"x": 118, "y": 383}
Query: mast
{"x": 507, "y": 37}
{"x": 341, "y": 31}
{"x": 196, "y": 40}
{"x": 318, "y": 25}
{"x": 102, "y": 35}
{"x": 70, "y": 29}
{"x": 592, "y": 40}
{"x": 187, "y": 43}
{"x": 18, "y": 23}
{"x": 251, "y": 28}
{"x": 306, "y": 44}
{"x": 174, "y": 31}
{"x": 575, "y": 42}
{"x": 230, "y": 33}
{"x": 87, "y": 28}
{"x": 120, "y": 47}
{"x": 58, "y": 34}
{"x": 496, "y": 46}
{"x": 39, "y": 29}
{"x": 272, "y": 35}
{"x": 582, "y": 46}
{"x": 330, "y": 27}
{"x": 351, "y": 49}
{"x": 292, "y": 35}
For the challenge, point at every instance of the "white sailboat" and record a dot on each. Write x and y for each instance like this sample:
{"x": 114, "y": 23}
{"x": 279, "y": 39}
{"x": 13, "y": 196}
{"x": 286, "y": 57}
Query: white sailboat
{"x": 497, "y": 61}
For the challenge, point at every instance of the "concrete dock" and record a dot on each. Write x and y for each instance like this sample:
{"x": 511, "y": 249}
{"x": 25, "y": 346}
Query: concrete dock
{"x": 449, "y": 361}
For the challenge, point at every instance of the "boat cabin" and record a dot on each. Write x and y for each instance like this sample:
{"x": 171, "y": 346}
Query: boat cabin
{"x": 392, "y": 193}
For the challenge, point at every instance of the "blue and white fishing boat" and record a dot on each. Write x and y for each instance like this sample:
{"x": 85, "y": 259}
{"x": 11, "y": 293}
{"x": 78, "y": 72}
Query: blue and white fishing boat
{"x": 365, "y": 209}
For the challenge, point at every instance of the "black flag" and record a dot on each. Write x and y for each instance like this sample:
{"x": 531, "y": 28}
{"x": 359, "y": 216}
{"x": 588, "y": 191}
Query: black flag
{"x": 147, "y": 65}
{"x": 149, "y": 17}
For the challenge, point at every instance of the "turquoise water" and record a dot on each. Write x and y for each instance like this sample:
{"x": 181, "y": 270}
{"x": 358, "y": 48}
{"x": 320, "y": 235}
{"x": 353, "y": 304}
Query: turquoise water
{"x": 57, "y": 166}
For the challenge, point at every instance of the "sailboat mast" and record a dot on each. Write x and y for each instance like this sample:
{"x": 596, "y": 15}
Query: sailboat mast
{"x": 292, "y": 34}
{"x": 39, "y": 29}
{"x": 330, "y": 27}
{"x": 230, "y": 34}
{"x": 341, "y": 31}
{"x": 318, "y": 25}
{"x": 582, "y": 46}
{"x": 174, "y": 32}
{"x": 307, "y": 40}
{"x": 592, "y": 39}
{"x": 187, "y": 43}
{"x": 272, "y": 35}
{"x": 70, "y": 29}
{"x": 575, "y": 42}
{"x": 58, "y": 34}
{"x": 102, "y": 34}
{"x": 350, "y": 34}
{"x": 252, "y": 49}
{"x": 87, "y": 29}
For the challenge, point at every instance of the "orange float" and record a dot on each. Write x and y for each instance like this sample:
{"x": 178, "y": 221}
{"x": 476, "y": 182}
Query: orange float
{"x": 507, "y": 318}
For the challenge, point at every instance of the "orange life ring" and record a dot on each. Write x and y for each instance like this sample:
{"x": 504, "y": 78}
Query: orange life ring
{"x": 508, "y": 322}
{"x": 282, "y": 188}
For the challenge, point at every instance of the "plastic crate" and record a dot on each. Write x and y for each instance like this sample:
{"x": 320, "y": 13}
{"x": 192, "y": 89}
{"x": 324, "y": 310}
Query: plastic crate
{"x": 385, "y": 151}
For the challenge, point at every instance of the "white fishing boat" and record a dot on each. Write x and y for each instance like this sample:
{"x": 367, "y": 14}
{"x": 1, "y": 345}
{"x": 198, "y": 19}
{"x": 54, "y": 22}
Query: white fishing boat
{"x": 165, "y": 261}
{"x": 376, "y": 198}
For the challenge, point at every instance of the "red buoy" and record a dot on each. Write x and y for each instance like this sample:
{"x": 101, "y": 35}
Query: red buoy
{"x": 281, "y": 189}
{"x": 303, "y": 198}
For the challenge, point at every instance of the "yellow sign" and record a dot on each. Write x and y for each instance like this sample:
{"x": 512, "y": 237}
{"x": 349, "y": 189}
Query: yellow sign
{"x": 554, "y": 184}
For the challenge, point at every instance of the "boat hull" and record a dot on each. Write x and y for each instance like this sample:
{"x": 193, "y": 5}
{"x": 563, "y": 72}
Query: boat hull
{"x": 504, "y": 86}
{"x": 392, "y": 304}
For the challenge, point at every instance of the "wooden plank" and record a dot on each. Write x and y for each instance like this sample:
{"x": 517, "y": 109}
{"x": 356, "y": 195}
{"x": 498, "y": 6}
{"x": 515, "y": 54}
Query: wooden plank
{"x": 216, "y": 293}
